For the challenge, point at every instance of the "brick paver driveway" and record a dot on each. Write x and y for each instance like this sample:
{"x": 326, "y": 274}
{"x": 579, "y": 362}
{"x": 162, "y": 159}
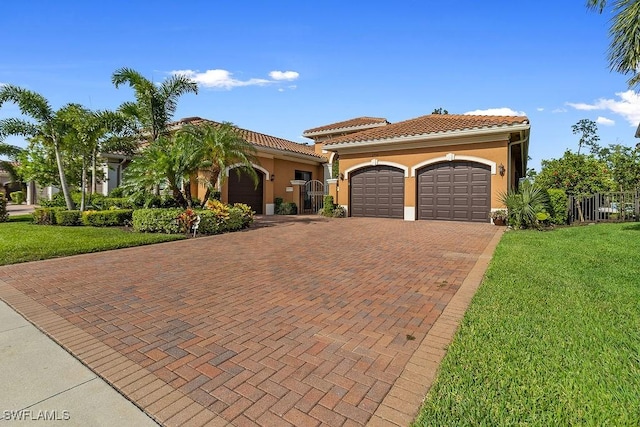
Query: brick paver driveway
{"x": 300, "y": 321}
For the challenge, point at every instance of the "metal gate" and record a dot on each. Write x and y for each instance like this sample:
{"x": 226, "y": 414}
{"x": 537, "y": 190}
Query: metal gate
{"x": 312, "y": 197}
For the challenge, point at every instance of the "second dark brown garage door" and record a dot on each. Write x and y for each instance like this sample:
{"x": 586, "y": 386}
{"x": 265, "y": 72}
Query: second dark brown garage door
{"x": 242, "y": 189}
{"x": 455, "y": 191}
{"x": 377, "y": 191}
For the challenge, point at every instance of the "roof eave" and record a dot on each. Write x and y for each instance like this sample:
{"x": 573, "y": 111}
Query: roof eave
{"x": 344, "y": 129}
{"x": 431, "y": 136}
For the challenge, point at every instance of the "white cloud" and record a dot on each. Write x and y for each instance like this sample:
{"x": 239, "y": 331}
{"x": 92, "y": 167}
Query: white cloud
{"x": 540, "y": 109}
{"x": 559, "y": 110}
{"x": 221, "y": 79}
{"x": 604, "y": 121}
{"x": 284, "y": 75}
{"x": 627, "y": 106}
{"x": 504, "y": 111}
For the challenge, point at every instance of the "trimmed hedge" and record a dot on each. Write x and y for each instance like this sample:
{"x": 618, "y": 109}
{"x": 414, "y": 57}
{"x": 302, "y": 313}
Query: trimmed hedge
{"x": 17, "y": 197}
{"x": 156, "y": 220}
{"x": 558, "y": 201}
{"x": 68, "y": 218}
{"x": 45, "y": 216}
{"x": 110, "y": 218}
{"x": 217, "y": 221}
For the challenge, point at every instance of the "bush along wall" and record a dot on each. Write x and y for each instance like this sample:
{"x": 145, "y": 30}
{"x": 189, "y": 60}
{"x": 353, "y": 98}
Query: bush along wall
{"x": 4, "y": 215}
{"x": 215, "y": 219}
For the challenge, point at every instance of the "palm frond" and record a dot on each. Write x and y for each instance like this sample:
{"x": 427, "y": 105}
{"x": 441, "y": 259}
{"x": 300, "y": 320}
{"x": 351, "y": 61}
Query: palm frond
{"x": 30, "y": 103}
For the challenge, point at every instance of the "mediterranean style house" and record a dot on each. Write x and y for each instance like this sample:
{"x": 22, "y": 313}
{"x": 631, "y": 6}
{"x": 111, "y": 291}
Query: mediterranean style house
{"x": 433, "y": 167}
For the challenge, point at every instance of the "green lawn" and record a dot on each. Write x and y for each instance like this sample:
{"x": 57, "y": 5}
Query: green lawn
{"x": 551, "y": 338}
{"x": 22, "y": 241}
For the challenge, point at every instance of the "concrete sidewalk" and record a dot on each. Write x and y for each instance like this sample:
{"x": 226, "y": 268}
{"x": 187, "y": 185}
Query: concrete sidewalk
{"x": 23, "y": 209}
{"x": 41, "y": 381}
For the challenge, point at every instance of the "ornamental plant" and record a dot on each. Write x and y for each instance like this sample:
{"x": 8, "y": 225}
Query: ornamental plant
{"x": 186, "y": 220}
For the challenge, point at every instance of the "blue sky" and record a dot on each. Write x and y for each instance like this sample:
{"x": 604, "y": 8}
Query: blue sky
{"x": 285, "y": 66}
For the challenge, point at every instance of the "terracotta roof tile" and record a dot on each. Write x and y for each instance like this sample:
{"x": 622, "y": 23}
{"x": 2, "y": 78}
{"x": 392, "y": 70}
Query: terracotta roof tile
{"x": 357, "y": 122}
{"x": 260, "y": 139}
{"x": 430, "y": 124}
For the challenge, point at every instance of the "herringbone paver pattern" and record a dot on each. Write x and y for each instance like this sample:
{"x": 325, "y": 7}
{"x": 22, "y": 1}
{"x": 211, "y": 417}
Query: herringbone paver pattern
{"x": 300, "y": 321}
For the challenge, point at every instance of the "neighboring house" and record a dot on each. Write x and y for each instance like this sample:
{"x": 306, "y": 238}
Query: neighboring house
{"x": 439, "y": 166}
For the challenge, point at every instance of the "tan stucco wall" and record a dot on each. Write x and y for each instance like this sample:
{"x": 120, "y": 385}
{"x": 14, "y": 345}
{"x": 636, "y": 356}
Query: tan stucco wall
{"x": 493, "y": 151}
{"x": 283, "y": 171}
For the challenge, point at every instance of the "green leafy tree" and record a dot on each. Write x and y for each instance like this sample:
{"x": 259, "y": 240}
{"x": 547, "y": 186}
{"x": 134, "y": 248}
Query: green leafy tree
{"x": 624, "y": 165}
{"x": 576, "y": 174}
{"x": 624, "y": 48}
{"x": 439, "y": 110}
{"x": 9, "y": 152}
{"x": 37, "y": 163}
{"x": 588, "y": 131}
{"x": 155, "y": 104}
{"x": 45, "y": 124}
{"x": 222, "y": 146}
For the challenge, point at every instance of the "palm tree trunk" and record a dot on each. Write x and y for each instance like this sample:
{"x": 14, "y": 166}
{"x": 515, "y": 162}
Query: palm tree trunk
{"x": 84, "y": 185}
{"x": 63, "y": 179}
{"x": 94, "y": 181}
{"x": 214, "y": 174}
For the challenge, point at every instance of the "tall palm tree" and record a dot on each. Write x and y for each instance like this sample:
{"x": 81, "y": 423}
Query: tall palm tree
{"x": 46, "y": 124}
{"x": 222, "y": 146}
{"x": 155, "y": 103}
{"x": 624, "y": 50}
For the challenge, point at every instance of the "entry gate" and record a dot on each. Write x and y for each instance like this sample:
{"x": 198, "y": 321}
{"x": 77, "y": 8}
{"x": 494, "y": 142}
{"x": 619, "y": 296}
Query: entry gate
{"x": 312, "y": 197}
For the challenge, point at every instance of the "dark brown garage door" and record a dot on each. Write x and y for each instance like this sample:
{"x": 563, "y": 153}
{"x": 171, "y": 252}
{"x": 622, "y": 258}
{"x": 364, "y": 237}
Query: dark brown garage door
{"x": 242, "y": 189}
{"x": 454, "y": 191}
{"x": 377, "y": 191}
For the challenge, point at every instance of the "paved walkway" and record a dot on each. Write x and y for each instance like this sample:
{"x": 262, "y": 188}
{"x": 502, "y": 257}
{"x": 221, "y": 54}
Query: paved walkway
{"x": 300, "y": 321}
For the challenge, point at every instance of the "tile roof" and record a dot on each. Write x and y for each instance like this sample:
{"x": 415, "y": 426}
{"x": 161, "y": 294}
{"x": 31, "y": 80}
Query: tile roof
{"x": 430, "y": 124}
{"x": 260, "y": 139}
{"x": 351, "y": 123}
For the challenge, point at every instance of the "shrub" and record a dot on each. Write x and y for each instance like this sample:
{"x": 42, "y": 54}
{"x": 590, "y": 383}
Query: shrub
{"x": 289, "y": 208}
{"x": 246, "y": 213}
{"x": 117, "y": 193}
{"x": 4, "y": 215}
{"x": 157, "y": 220}
{"x": 118, "y": 202}
{"x": 558, "y": 201}
{"x": 68, "y": 218}
{"x": 111, "y": 218}
{"x": 524, "y": 205}
{"x": 328, "y": 207}
{"x": 17, "y": 197}
{"x": 45, "y": 216}
{"x": 339, "y": 212}
{"x": 186, "y": 219}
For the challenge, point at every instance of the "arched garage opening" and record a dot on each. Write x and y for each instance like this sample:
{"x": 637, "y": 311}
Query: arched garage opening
{"x": 377, "y": 191}
{"x": 242, "y": 189}
{"x": 454, "y": 191}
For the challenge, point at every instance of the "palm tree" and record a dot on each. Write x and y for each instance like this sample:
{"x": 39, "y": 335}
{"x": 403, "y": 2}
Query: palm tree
{"x": 90, "y": 132}
{"x": 222, "y": 146}
{"x": 155, "y": 104}
{"x": 166, "y": 162}
{"x": 624, "y": 50}
{"x": 46, "y": 125}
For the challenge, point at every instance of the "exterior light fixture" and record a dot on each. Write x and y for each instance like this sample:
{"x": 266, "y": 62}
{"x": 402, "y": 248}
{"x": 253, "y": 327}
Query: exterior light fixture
{"x": 341, "y": 177}
{"x": 272, "y": 177}
{"x": 501, "y": 169}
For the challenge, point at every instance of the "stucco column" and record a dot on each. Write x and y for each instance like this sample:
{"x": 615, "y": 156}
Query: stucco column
{"x": 410, "y": 198}
{"x": 297, "y": 184}
{"x": 332, "y": 190}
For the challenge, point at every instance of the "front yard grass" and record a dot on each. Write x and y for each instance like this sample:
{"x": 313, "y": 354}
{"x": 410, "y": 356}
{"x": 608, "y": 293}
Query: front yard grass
{"x": 552, "y": 336}
{"x": 21, "y": 241}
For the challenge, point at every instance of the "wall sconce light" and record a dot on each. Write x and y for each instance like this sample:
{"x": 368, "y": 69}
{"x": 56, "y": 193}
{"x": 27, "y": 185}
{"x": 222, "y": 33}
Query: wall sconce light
{"x": 341, "y": 177}
{"x": 501, "y": 169}
{"x": 272, "y": 177}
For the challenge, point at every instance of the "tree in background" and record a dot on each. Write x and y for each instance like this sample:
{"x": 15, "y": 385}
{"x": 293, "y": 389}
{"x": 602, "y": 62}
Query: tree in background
{"x": 588, "y": 131}
{"x": 439, "y": 111}
{"x": 10, "y": 152}
{"x": 624, "y": 165}
{"x": 45, "y": 125}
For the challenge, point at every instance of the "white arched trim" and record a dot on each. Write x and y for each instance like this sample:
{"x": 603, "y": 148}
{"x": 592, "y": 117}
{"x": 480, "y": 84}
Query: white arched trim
{"x": 376, "y": 162}
{"x": 451, "y": 157}
{"x": 260, "y": 168}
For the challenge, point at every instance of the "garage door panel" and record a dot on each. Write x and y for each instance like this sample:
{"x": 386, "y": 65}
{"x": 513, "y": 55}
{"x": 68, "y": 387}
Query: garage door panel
{"x": 456, "y": 191}
{"x": 381, "y": 189}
